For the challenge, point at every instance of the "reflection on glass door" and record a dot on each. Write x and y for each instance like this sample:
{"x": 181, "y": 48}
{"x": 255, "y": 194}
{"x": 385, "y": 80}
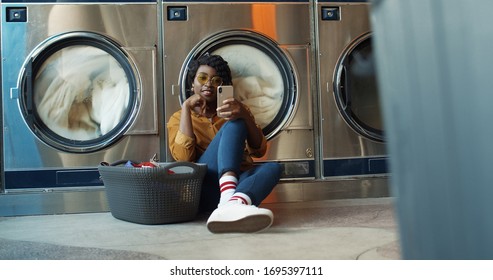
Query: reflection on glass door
{"x": 356, "y": 90}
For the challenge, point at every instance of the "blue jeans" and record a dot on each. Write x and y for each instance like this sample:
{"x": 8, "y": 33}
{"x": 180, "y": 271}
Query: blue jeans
{"x": 225, "y": 153}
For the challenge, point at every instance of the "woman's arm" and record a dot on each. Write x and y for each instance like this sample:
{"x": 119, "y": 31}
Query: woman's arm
{"x": 188, "y": 106}
{"x": 181, "y": 135}
{"x": 181, "y": 146}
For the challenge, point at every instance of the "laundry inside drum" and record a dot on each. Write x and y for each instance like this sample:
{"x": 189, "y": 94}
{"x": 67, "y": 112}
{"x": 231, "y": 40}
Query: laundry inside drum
{"x": 81, "y": 93}
{"x": 257, "y": 81}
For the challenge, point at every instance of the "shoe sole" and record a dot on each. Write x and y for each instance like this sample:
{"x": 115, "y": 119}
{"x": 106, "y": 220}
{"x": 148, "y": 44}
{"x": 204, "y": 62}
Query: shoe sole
{"x": 250, "y": 224}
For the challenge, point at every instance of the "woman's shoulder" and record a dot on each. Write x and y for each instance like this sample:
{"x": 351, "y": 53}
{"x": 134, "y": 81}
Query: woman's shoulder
{"x": 177, "y": 113}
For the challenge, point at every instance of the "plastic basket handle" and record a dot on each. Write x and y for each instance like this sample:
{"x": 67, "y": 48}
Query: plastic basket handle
{"x": 116, "y": 163}
{"x": 193, "y": 166}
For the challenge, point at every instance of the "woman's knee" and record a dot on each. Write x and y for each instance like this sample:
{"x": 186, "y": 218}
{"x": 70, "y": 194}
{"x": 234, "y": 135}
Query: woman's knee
{"x": 274, "y": 168}
{"x": 236, "y": 126}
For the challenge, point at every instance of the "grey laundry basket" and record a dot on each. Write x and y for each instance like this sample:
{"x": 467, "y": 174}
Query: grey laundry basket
{"x": 169, "y": 193}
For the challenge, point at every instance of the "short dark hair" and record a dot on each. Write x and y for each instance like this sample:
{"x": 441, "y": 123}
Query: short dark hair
{"x": 214, "y": 61}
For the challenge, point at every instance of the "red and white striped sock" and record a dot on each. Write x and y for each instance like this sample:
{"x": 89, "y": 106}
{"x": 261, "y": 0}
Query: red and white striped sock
{"x": 242, "y": 198}
{"x": 227, "y": 185}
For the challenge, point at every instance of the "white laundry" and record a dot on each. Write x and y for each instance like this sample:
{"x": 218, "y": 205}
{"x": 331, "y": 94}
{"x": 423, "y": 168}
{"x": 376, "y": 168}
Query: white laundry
{"x": 81, "y": 93}
{"x": 256, "y": 79}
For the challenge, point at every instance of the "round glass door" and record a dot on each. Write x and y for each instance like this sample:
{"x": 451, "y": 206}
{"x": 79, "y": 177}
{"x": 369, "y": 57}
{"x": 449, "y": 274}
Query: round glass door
{"x": 263, "y": 77}
{"x": 356, "y": 90}
{"x": 79, "y": 92}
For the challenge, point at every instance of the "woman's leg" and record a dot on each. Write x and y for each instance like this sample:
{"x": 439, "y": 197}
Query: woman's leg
{"x": 257, "y": 183}
{"x": 238, "y": 215}
{"x": 224, "y": 153}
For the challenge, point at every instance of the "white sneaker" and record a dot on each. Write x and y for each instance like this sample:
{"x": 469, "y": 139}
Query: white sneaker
{"x": 240, "y": 218}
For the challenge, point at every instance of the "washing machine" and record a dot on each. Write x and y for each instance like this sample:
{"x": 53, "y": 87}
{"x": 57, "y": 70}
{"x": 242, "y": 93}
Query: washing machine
{"x": 352, "y": 137}
{"x": 268, "y": 48}
{"x": 79, "y": 87}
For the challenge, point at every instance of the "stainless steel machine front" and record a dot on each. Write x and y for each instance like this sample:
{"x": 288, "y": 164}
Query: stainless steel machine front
{"x": 79, "y": 86}
{"x": 353, "y": 137}
{"x": 268, "y": 47}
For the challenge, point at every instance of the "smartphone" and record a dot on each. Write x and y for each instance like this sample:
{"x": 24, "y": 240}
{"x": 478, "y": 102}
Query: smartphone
{"x": 223, "y": 93}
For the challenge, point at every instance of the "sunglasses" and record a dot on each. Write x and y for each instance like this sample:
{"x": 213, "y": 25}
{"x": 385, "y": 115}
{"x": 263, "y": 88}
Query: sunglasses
{"x": 203, "y": 78}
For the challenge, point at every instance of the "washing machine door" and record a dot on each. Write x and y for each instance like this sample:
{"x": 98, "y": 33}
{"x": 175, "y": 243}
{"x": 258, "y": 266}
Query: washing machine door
{"x": 356, "y": 90}
{"x": 79, "y": 92}
{"x": 263, "y": 75}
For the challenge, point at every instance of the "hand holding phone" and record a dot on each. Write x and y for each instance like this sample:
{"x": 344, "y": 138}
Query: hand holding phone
{"x": 223, "y": 93}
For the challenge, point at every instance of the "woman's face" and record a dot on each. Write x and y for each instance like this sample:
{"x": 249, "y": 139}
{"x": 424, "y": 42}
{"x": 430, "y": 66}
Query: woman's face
{"x": 206, "y": 82}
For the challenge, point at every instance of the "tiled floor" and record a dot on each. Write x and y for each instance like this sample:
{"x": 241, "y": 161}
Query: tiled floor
{"x": 325, "y": 230}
